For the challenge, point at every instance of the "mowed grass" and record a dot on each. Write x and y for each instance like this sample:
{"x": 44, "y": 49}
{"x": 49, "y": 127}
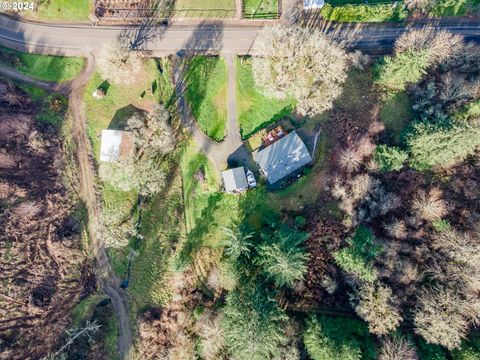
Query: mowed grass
{"x": 205, "y": 8}
{"x": 260, "y": 8}
{"x": 63, "y": 10}
{"x": 120, "y": 102}
{"x": 396, "y": 114}
{"x": 42, "y": 67}
{"x": 206, "y": 94}
{"x": 255, "y": 111}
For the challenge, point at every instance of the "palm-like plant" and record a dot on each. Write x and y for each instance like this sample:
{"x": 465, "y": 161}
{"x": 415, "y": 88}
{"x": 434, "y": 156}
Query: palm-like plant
{"x": 237, "y": 242}
{"x": 282, "y": 257}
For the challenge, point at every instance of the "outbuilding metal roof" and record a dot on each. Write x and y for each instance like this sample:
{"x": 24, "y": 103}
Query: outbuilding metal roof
{"x": 313, "y": 4}
{"x": 283, "y": 157}
{"x": 116, "y": 144}
{"x": 235, "y": 180}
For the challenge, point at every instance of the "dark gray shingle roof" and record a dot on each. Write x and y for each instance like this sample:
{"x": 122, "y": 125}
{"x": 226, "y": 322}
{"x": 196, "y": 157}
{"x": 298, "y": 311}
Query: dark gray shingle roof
{"x": 283, "y": 157}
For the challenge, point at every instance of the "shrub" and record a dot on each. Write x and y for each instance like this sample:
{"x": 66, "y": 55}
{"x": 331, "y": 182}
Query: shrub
{"x": 358, "y": 256}
{"x": 282, "y": 256}
{"x": 469, "y": 350}
{"x": 328, "y": 337}
{"x": 431, "y": 145}
{"x": 390, "y": 158}
{"x": 365, "y": 13}
{"x": 408, "y": 67}
{"x": 253, "y": 324}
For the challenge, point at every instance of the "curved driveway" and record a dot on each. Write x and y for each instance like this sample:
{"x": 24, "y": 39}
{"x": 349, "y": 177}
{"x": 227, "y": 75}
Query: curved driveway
{"x": 225, "y": 36}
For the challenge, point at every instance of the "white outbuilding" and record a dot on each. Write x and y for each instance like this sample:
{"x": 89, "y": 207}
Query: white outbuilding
{"x": 116, "y": 145}
{"x": 235, "y": 180}
{"x": 313, "y": 4}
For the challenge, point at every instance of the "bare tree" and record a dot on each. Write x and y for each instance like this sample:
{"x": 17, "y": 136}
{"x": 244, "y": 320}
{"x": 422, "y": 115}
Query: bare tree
{"x": 301, "y": 63}
{"x": 376, "y": 307}
{"x": 119, "y": 64}
{"x": 350, "y": 159}
{"x": 429, "y": 206}
{"x": 439, "y": 317}
{"x": 397, "y": 348}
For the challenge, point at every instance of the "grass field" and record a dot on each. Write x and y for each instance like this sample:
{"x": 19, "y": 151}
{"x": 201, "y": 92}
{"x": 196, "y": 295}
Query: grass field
{"x": 206, "y": 93}
{"x": 42, "y": 67}
{"x": 396, "y": 113}
{"x": 254, "y": 110}
{"x": 207, "y": 210}
{"x": 205, "y": 8}
{"x": 365, "y": 13}
{"x": 260, "y": 8}
{"x": 57, "y": 10}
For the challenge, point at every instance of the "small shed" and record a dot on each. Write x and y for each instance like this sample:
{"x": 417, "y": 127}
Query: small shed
{"x": 313, "y": 4}
{"x": 116, "y": 145}
{"x": 235, "y": 180}
{"x": 283, "y": 157}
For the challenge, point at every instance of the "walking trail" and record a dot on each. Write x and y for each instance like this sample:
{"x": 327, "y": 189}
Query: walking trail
{"x": 217, "y": 152}
{"x": 107, "y": 280}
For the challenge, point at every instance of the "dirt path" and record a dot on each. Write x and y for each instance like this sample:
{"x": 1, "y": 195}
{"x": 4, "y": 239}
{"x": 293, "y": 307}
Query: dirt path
{"x": 217, "y": 152}
{"x": 107, "y": 280}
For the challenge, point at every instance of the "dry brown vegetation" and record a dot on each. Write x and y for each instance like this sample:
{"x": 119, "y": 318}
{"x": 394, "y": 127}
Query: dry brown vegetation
{"x": 43, "y": 268}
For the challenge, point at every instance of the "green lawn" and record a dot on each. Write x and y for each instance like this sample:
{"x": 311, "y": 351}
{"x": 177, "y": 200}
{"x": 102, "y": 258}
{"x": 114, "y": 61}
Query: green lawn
{"x": 365, "y": 13}
{"x": 206, "y": 94}
{"x": 260, "y": 8}
{"x": 396, "y": 114}
{"x": 64, "y": 10}
{"x": 120, "y": 102}
{"x": 205, "y": 8}
{"x": 42, "y": 67}
{"x": 254, "y": 110}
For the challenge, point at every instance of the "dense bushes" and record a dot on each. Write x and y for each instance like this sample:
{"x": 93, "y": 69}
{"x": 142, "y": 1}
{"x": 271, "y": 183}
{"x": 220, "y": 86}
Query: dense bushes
{"x": 365, "y": 13}
{"x": 328, "y": 337}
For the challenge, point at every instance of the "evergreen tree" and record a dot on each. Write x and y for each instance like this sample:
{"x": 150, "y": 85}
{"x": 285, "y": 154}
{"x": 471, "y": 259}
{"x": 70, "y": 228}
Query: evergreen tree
{"x": 390, "y": 158}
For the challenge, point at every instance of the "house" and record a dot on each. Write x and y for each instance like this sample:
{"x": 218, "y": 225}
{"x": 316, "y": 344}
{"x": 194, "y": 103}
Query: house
{"x": 283, "y": 157}
{"x": 313, "y": 4}
{"x": 116, "y": 145}
{"x": 235, "y": 180}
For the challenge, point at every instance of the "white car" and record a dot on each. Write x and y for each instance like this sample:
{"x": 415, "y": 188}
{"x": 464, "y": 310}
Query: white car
{"x": 251, "y": 179}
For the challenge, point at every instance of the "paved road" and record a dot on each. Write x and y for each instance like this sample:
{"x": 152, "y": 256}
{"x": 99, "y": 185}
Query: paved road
{"x": 222, "y": 36}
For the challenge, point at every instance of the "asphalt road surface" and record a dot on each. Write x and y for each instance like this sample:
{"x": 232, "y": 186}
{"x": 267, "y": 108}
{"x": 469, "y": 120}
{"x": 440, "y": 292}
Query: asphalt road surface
{"x": 213, "y": 36}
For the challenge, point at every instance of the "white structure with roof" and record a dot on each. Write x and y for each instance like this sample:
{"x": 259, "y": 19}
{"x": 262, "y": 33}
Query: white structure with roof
{"x": 115, "y": 145}
{"x": 283, "y": 157}
{"x": 313, "y": 4}
{"x": 235, "y": 180}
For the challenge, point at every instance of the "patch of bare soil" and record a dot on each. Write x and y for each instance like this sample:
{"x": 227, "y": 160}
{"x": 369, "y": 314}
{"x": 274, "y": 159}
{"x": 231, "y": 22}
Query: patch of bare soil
{"x": 43, "y": 269}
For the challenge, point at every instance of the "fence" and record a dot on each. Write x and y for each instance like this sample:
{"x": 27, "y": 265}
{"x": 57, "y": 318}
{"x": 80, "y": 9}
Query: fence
{"x": 261, "y": 9}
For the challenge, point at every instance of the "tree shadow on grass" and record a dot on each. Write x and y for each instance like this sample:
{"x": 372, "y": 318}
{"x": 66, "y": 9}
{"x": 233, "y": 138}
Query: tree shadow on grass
{"x": 195, "y": 239}
{"x": 119, "y": 120}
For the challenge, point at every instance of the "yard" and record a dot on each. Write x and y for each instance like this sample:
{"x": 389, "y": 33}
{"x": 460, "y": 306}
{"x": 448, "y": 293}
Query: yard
{"x": 260, "y": 9}
{"x": 396, "y": 113}
{"x": 59, "y": 10}
{"x": 206, "y": 94}
{"x": 254, "y": 110}
{"x": 205, "y": 8}
{"x": 42, "y": 67}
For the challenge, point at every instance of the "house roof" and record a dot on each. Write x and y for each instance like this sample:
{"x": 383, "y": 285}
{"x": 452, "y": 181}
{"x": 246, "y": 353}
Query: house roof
{"x": 313, "y": 4}
{"x": 116, "y": 144}
{"x": 283, "y": 157}
{"x": 235, "y": 179}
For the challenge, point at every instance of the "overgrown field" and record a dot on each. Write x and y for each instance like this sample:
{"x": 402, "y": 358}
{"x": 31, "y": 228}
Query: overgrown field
{"x": 206, "y": 93}
{"x": 42, "y": 67}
